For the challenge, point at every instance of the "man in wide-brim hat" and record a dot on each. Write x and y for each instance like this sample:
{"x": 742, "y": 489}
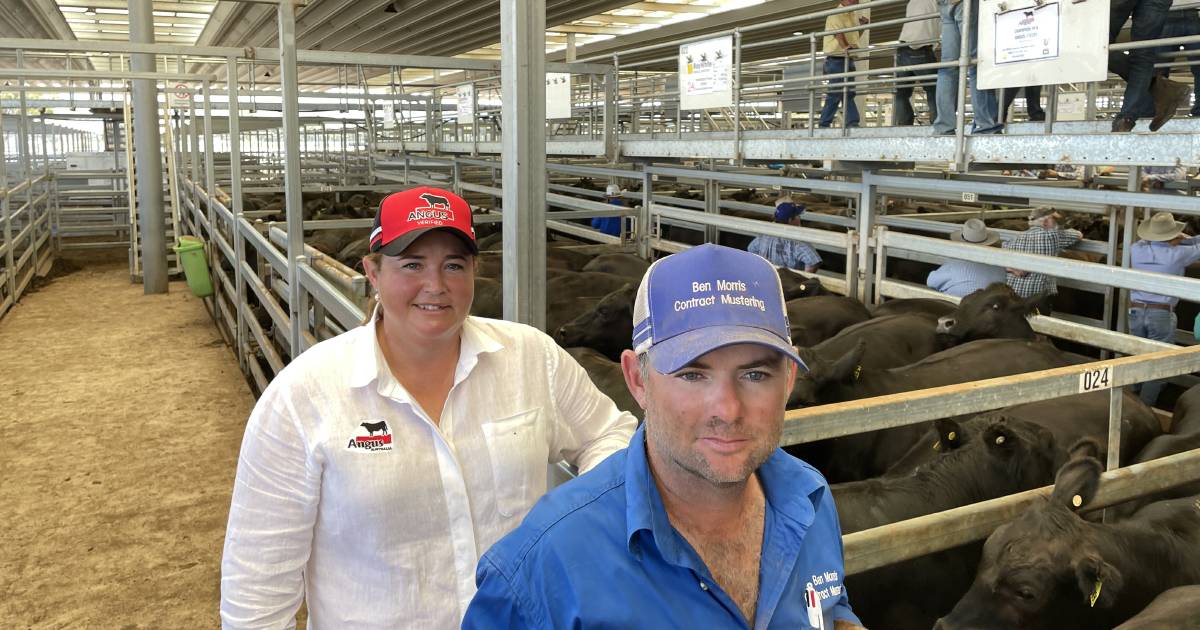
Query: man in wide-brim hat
{"x": 1163, "y": 248}
{"x": 960, "y": 277}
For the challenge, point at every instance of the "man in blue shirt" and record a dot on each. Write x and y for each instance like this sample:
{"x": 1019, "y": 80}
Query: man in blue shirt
{"x": 610, "y": 225}
{"x": 1162, "y": 249}
{"x": 786, "y": 252}
{"x": 961, "y": 278}
{"x": 703, "y": 522}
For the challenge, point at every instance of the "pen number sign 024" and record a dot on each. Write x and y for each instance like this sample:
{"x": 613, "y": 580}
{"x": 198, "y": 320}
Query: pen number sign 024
{"x": 1096, "y": 379}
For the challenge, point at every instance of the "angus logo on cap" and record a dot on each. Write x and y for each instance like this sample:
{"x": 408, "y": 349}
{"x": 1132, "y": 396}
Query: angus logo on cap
{"x": 438, "y": 209}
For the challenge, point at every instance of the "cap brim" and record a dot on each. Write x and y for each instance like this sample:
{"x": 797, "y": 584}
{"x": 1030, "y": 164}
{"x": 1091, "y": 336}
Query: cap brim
{"x": 671, "y": 355}
{"x": 1143, "y": 232}
{"x": 401, "y": 243}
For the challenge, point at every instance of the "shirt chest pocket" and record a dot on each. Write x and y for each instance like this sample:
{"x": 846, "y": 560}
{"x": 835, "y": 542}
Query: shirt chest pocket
{"x": 518, "y": 455}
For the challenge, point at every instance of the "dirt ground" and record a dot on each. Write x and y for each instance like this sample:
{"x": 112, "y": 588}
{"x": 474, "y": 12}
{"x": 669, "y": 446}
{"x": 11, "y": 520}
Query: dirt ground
{"x": 120, "y": 420}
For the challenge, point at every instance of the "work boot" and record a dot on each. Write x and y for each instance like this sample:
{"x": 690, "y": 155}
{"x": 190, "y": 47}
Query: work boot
{"x": 1169, "y": 96}
{"x": 1121, "y": 125}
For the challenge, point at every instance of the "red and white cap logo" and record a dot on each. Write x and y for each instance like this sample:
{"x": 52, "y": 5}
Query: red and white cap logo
{"x": 405, "y": 216}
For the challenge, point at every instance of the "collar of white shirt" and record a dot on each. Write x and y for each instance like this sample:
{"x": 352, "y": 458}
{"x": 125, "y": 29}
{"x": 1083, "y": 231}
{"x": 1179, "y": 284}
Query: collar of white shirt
{"x": 368, "y": 364}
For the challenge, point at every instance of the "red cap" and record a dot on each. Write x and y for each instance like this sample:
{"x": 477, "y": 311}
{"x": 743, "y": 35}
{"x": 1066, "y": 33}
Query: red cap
{"x": 404, "y": 216}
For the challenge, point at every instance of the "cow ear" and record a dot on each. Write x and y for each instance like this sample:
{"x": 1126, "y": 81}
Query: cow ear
{"x": 999, "y": 437}
{"x": 1085, "y": 447}
{"x": 950, "y": 435}
{"x": 1029, "y": 305}
{"x": 849, "y": 366}
{"x": 1099, "y": 582}
{"x": 1076, "y": 483}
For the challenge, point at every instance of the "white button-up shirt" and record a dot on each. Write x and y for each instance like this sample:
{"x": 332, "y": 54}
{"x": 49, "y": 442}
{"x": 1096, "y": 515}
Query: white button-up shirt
{"x": 349, "y": 496}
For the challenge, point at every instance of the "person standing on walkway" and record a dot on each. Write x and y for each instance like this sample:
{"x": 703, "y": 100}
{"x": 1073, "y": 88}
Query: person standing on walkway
{"x": 1146, "y": 95}
{"x": 1044, "y": 237}
{"x": 961, "y": 278}
{"x": 1162, "y": 248}
{"x": 983, "y": 102}
{"x": 917, "y": 39}
{"x": 610, "y": 225}
{"x": 837, "y": 48}
{"x": 378, "y": 465}
{"x": 1183, "y": 21}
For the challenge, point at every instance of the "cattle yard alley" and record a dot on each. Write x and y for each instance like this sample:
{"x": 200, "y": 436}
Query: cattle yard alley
{"x": 120, "y": 420}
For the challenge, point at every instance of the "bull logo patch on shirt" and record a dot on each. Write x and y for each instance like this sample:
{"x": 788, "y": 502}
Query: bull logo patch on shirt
{"x": 370, "y": 437}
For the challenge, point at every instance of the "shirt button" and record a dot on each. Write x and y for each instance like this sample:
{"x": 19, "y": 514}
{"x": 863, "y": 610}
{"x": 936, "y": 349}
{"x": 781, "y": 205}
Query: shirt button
{"x": 703, "y": 586}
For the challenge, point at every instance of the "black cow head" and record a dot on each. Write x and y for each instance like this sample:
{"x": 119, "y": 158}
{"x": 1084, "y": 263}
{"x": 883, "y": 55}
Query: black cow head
{"x": 996, "y": 312}
{"x": 1045, "y": 569}
{"x": 797, "y": 285}
{"x": 822, "y": 373}
{"x": 607, "y": 328}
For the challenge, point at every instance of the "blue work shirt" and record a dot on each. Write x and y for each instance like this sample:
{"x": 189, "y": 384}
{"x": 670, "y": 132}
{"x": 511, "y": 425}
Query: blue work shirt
{"x": 600, "y": 552}
{"x": 609, "y": 225}
{"x": 961, "y": 278}
{"x": 1162, "y": 257}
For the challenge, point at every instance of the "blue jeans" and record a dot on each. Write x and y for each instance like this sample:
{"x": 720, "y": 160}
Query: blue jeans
{"x": 1156, "y": 324}
{"x": 983, "y": 102}
{"x": 1137, "y": 68}
{"x": 1183, "y": 24}
{"x": 906, "y": 56}
{"x": 833, "y": 98}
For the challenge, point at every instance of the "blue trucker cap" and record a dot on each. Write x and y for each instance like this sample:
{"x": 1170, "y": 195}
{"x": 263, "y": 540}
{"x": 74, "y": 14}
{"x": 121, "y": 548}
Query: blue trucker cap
{"x": 785, "y": 211}
{"x": 705, "y": 298}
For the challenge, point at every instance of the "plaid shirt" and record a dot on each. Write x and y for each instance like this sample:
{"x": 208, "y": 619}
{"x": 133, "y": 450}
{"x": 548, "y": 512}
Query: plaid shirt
{"x": 785, "y": 252}
{"x": 1039, "y": 240}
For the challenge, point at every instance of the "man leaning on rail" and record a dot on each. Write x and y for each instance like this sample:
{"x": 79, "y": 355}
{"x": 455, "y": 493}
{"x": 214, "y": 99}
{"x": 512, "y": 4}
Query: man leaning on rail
{"x": 703, "y": 522}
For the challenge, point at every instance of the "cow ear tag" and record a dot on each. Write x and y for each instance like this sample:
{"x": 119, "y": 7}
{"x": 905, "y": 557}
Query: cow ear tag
{"x": 857, "y": 372}
{"x": 937, "y": 444}
{"x": 952, "y": 436}
{"x": 1095, "y": 592}
{"x": 1078, "y": 501}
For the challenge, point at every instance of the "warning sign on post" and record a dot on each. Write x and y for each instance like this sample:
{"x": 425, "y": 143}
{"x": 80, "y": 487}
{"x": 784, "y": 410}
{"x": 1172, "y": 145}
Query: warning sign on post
{"x": 706, "y": 74}
{"x": 181, "y": 96}
{"x": 1027, "y": 34}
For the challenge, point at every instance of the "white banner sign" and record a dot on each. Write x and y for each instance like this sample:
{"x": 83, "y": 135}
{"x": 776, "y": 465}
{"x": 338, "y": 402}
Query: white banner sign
{"x": 706, "y": 74}
{"x": 1024, "y": 43}
{"x": 465, "y": 104}
{"x": 558, "y": 95}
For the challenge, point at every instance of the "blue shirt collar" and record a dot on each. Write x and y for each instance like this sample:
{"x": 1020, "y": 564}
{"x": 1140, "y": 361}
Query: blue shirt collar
{"x": 792, "y": 489}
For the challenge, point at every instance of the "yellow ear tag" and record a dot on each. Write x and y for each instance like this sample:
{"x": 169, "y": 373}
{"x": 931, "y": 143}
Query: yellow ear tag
{"x": 1037, "y": 311}
{"x": 952, "y": 436}
{"x": 937, "y": 444}
{"x": 1095, "y": 594}
{"x": 857, "y": 372}
{"x": 1077, "y": 500}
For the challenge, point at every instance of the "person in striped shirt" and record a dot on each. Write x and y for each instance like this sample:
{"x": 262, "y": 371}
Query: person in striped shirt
{"x": 786, "y": 252}
{"x": 1044, "y": 237}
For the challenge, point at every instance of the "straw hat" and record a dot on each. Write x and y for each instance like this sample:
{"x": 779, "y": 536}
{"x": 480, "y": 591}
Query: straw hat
{"x": 1160, "y": 227}
{"x": 976, "y": 233}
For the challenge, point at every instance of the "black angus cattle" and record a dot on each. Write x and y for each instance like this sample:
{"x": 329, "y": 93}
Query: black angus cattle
{"x": 797, "y": 285}
{"x": 1176, "y": 609}
{"x": 815, "y": 319}
{"x": 608, "y": 328}
{"x": 931, "y": 307}
{"x": 891, "y": 341}
{"x": 608, "y": 378}
{"x": 996, "y": 312}
{"x": 1011, "y": 456}
{"x": 1068, "y": 418}
{"x": 1050, "y": 568}
{"x": 620, "y": 264}
{"x": 372, "y": 427}
{"x": 489, "y": 298}
{"x": 1184, "y": 436}
{"x": 862, "y": 456}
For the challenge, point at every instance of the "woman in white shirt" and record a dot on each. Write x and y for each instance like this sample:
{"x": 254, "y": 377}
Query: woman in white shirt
{"x": 379, "y": 465}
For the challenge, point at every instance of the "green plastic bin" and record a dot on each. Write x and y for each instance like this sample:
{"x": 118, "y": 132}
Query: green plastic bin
{"x": 190, "y": 251}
